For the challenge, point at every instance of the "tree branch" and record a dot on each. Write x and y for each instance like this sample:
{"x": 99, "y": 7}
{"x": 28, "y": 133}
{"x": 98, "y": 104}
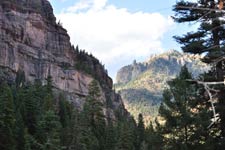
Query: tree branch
{"x": 215, "y": 118}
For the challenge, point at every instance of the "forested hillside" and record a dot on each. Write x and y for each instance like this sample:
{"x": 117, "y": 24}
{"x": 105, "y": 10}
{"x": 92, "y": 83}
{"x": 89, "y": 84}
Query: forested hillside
{"x": 54, "y": 96}
{"x": 32, "y": 118}
{"x": 141, "y": 84}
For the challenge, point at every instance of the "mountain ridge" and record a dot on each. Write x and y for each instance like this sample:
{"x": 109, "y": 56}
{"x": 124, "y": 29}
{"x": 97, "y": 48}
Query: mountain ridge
{"x": 32, "y": 42}
{"x": 141, "y": 84}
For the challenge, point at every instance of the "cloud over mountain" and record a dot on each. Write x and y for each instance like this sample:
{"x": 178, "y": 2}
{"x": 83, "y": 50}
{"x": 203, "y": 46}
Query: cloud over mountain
{"x": 114, "y": 35}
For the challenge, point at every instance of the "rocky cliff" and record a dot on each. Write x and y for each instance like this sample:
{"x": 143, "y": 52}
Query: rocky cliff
{"x": 141, "y": 84}
{"x": 166, "y": 63}
{"x": 32, "y": 42}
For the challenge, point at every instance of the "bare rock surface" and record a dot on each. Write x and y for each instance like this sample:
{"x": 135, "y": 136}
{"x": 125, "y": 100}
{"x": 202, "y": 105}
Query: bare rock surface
{"x": 32, "y": 41}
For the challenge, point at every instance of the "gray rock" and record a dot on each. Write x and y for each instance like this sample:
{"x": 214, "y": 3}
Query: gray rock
{"x": 141, "y": 84}
{"x": 32, "y": 41}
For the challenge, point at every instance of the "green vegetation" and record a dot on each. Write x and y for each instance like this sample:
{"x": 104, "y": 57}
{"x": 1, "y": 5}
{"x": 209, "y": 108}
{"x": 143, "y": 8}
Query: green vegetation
{"x": 186, "y": 119}
{"x": 208, "y": 39}
{"x": 32, "y": 118}
{"x": 143, "y": 94}
{"x": 88, "y": 64}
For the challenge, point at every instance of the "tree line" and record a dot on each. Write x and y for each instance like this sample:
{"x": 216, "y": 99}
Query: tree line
{"x": 32, "y": 118}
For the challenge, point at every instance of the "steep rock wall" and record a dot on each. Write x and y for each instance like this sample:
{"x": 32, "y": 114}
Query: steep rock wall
{"x": 32, "y": 41}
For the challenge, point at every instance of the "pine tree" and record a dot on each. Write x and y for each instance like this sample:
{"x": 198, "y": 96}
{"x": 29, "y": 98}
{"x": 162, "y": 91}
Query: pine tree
{"x": 30, "y": 142}
{"x": 210, "y": 35}
{"x": 7, "y": 118}
{"x": 86, "y": 140}
{"x": 154, "y": 139}
{"x": 48, "y": 102}
{"x": 208, "y": 39}
{"x": 20, "y": 126}
{"x": 126, "y": 137}
{"x": 69, "y": 120}
{"x": 69, "y": 135}
{"x": 49, "y": 84}
{"x": 20, "y": 78}
{"x": 31, "y": 109}
{"x": 110, "y": 139}
{"x": 48, "y": 99}
{"x": 64, "y": 111}
{"x": 183, "y": 115}
{"x": 50, "y": 127}
{"x": 93, "y": 109}
{"x": 140, "y": 131}
{"x": 20, "y": 132}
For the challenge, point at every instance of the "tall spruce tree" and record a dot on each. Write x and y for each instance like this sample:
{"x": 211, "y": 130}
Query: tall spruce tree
{"x": 154, "y": 139}
{"x": 51, "y": 127}
{"x": 209, "y": 38}
{"x": 110, "y": 137}
{"x": 210, "y": 34}
{"x": 86, "y": 140}
{"x": 93, "y": 108}
{"x": 126, "y": 137}
{"x": 140, "y": 131}
{"x": 186, "y": 121}
{"x": 7, "y": 118}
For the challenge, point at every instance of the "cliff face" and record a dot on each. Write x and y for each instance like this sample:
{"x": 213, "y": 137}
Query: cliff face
{"x": 166, "y": 63}
{"x": 141, "y": 84}
{"x": 32, "y": 41}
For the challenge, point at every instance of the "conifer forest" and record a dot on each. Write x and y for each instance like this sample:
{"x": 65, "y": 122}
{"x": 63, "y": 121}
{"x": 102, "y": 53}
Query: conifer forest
{"x": 54, "y": 96}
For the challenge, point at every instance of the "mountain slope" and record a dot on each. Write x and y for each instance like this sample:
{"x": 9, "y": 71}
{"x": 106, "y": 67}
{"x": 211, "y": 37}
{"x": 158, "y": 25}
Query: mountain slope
{"x": 33, "y": 43}
{"x": 141, "y": 84}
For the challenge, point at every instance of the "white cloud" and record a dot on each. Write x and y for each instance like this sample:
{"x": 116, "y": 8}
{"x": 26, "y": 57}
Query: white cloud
{"x": 114, "y": 35}
{"x": 87, "y": 4}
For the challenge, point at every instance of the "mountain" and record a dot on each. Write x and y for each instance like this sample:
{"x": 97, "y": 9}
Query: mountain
{"x": 34, "y": 44}
{"x": 141, "y": 84}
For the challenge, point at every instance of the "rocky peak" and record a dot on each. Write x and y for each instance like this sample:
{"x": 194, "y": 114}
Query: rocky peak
{"x": 42, "y": 7}
{"x": 141, "y": 85}
{"x": 169, "y": 62}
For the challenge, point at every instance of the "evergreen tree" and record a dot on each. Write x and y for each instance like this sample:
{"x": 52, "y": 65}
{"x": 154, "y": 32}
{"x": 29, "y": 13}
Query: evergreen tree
{"x": 49, "y": 84}
{"x": 86, "y": 140}
{"x": 110, "y": 139}
{"x": 48, "y": 102}
{"x": 154, "y": 139}
{"x": 19, "y": 132}
{"x": 7, "y": 118}
{"x": 126, "y": 137}
{"x": 140, "y": 131}
{"x": 20, "y": 78}
{"x": 209, "y": 39}
{"x": 50, "y": 127}
{"x": 31, "y": 143}
{"x": 69, "y": 134}
{"x": 48, "y": 99}
{"x": 64, "y": 111}
{"x": 30, "y": 120}
{"x": 69, "y": 120}
{"x": 183, "y": 115}
{"x": 210, "y": 35}
{"x": 20, "y": 126}
{"x": 93, "y": 109}
{"x": 31, "y": 109}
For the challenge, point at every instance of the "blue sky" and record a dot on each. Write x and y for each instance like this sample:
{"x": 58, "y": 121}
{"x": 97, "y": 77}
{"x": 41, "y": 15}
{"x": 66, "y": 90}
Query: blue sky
{"x": 161, "y": 6}
{"x": 119, "y": 31}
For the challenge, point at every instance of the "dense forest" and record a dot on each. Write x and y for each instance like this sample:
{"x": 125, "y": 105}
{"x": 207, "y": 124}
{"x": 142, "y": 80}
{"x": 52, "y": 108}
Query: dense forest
{"x": 33, "y": 119}
{"x": 191, "y": 115}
